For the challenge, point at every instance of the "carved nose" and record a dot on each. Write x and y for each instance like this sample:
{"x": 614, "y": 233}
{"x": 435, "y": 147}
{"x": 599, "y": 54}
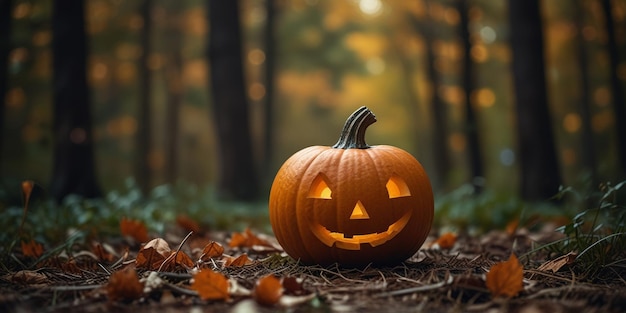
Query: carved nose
{"x": 359, "y": 213}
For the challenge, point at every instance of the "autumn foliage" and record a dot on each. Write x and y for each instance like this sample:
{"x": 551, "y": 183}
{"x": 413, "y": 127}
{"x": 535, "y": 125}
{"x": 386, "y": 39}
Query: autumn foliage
{"x": 505, "y": 279}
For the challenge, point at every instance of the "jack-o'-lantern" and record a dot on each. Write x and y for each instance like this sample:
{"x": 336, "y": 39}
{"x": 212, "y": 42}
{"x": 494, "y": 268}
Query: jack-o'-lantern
{"x": 351, "y": 203}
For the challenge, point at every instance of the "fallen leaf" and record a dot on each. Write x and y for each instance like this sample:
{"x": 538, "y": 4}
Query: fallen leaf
{"x": 511, "y": 227}
{"x": 506, "y": 278}
{"x": 27, "y": 277}
{"x": 32, "y": 249}
{"x": 445, "y": 241}
{"x": 211, "y": 250}
{"x": 124, "y": 285}
{"x": 556, "y": 264}
{"x": 210, "y": 285}
{"x": 268, "y": 290}
{"x": 101, "y": 253}
{"x": 70, "y": 266}
{"x": 293, "y": 286}
{"x": 188, "y": 224}
{"x": 176, "y": 260}
{"x": 238, "y": 261}
{"x": 134, "y": 229}
{"x": 152, "y": 254}
{"x": 247, "y": 239}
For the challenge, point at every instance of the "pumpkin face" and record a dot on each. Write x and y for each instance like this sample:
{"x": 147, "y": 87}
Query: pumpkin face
{"x": 351, "y": 205}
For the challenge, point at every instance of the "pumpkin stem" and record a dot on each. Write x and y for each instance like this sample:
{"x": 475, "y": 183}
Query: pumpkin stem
{"x": 353, "y": 133}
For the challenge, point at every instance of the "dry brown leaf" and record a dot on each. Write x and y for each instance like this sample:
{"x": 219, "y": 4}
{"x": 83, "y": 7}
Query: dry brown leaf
{"x": 177, "y": 259}
{"x": 32, "y": 249}
{"x": 511, "y": 227}
{"x": 152, "y": 254}
{"x": 247, "y": 239}
{"x": 558, "y": 263}
{"x": 293, "y": 286}
{"x": 210, "y": 285}
{"x": 101, "y": 253}
{"x": 188, "y": 224}
{"x": 239, "y": 261}
{"x": 70, "y": 266}
{"x": 124, "y": 285}
{"x": 211, "y": 250}
{"x": 134, "y": 229}
{"x": 268, "y": 290}
{"x": 445, "y": 241}
{"x": 27, "y": 277}
{"x": 506, "y": 278}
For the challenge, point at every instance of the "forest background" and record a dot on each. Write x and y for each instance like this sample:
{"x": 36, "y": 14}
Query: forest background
{"x": 440, "y": 75}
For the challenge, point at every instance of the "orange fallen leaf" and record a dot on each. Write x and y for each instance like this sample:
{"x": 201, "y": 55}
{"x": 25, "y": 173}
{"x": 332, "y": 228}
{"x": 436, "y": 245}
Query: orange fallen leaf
{"x": 556, "y": 264}
{"x": 124, "y": 285}
{"x": 32, "y": 249}
{"x": 511, "y": 227}
{"x": 247, "y": 239}
{"x": 238, "y": 261}
{"x": 101, "y": 253}
{"x": 211, "y": 250}
{"x": 506, "y": 278}
{"x": 210, "y": 285}
{"x": 152, "y": 254}
{"x": 134, "y": 229}
{"x": 445, "y": 241}
{"x": 188, "y": 224}
{"x": 237, "y": 240}
{"x": 176, "y": 259}
{"x": 268, "y": 290}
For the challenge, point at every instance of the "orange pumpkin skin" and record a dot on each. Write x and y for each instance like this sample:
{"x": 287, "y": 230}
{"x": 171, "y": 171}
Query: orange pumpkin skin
{"x": 352, "y": 206}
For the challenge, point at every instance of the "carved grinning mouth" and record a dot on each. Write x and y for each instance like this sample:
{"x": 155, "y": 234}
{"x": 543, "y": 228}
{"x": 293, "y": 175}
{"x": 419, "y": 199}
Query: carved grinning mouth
{"x": 340, "y": 240}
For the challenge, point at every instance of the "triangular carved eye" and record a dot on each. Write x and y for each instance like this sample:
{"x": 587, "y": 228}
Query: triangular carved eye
{"x": 396, "y": 187}
{"x": 319, "y": 188}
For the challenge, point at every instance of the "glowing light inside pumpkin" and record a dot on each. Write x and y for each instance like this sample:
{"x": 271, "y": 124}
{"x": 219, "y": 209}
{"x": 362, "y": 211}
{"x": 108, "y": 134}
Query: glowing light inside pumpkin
{"x": 396, "y": 187}
{"x": 359, "y": 212}
{"x": 319, "y": 188}
{"x": 354, "y": 243}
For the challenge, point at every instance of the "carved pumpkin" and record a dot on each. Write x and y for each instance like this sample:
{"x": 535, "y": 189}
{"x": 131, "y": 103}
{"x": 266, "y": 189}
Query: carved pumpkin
{"x": 351, "y": 203}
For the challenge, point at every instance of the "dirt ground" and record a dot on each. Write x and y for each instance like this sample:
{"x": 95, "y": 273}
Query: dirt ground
{"x": 433, "y": 280}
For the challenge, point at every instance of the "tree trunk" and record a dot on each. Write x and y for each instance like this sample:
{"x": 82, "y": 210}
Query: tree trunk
{"x": 144, "y": 133}
{"x": 73, "y": 171}
{"x": 237, "y": 178}
{"x": 6, "y": 7}
{"x": 619, "y": 103}
{"x": 540, "y": 175}
{"x": 587, "y": 150}
{"x": 440, "y": 123}
{"x": 174, "y": 98}
{"x": 270, "y": 52}
{"x": 471, "y": 125}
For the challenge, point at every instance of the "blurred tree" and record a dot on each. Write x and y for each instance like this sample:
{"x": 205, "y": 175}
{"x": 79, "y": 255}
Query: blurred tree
{"x": 587, "y": 150}
{"x": 174, "y": 68}
{"x": 540, "y": 175}
{"x": 144, "y": 132}
{"x": 471, "y": 125}
{"x": 619, "y": 103}
{"x": 438, "y": 108}
{"x": 237, "y": 178}
{"x": 73, "y": 171}
{"x": 5, "y": 46}
{"x": 270, "y": 54}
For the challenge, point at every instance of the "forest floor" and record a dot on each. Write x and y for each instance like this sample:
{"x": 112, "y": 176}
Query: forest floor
{"x": 436, "y": 279}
